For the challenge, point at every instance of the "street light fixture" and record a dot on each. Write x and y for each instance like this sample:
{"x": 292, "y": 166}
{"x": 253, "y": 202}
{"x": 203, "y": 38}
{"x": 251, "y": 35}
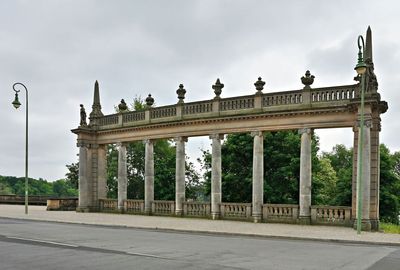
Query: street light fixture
{"x": 360, "y": 68}
{"x": 16, "y": 105}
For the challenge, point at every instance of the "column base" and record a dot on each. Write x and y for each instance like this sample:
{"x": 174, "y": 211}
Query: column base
{"x": 216, "y": 215}
{"x": 178, "y": 213}
{"x": 257, "y": 218}
{"x": 304, "y": 220}
{"x": 365, "y": 225}
{"x": 86, "y": 209}
{"x": 375, "y": 224}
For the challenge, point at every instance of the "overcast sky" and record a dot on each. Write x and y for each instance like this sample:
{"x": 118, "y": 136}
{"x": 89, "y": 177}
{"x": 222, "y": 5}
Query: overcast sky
{"x": 133, "y": 48}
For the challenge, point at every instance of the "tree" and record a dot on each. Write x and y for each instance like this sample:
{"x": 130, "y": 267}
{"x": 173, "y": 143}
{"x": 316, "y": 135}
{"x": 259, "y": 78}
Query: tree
{"x": 63, "y": 188}
{"x": 324, "y": 184}
{"x": 73, "y": 175}
{"x": 281, "y": 167}
{"x": 389, "y": 200}
{"x": 341, "y": 160}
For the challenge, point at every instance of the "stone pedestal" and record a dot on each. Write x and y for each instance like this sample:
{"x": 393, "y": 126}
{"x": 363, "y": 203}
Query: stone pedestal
{"x": 180, "y": 175}
{"x": 258, "y": 176}
{"x": 305, "y": 176}
{"x": 122, "y": 176}
{"x": 216, "y": 195}
{"x": 148, "y": 176}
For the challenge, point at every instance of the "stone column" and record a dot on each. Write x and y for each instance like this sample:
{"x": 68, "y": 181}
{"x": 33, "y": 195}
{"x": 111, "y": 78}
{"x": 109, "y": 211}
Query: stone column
{"x": 305, "y": 176}
{"x": 148, "y": 176}
{"x": 216, "y": 194}
{"x": 180, "y": 175}
{"x": 258, "y": 175}
{"x": 84, "y": 180}
{"x": 102, "y": 172}
{"x": 366, "y": 175}
{"x": 122, "y": 176}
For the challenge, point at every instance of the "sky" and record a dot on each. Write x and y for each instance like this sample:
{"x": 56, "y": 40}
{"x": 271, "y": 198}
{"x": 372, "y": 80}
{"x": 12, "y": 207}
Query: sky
{"x": 59, "y": 48}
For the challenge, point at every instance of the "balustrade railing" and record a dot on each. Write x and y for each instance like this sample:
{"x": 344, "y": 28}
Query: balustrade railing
{"x": 237, "y": 103}
{"x": 283, "y": 98}
{"x": 163, "y": 207}
{"x": 108, "y": 204}
{"x": 133, "y": 116}
{"x": 334, "y": 93}
{"x": 235, "y": 210}
{"x": 196, "y": 209}
{"x": 161, "y": 112}
{"x": 197, "y": 107}
{"x": 108, "y": 120}
{"x": 340, "y": 215}
{"x": 134, "y": 206}
{"x": 280, "y": 212}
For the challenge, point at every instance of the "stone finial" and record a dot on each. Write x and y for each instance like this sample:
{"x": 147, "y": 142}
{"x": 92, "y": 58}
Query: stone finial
{"x": 149, "y": 101}
{"x": 259, "y": 84}
{"x": 83, "y": 122}
{"x": 122, "y": 106}
{"x": 218, "y": 88}
{"x": 307, "y": 80}
{"x": 181, "y": 93}
{"x": 96, "y": 107}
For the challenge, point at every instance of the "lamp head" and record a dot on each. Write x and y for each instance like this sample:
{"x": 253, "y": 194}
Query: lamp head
{"x": 16, "y": 102}
{"x": 361, "y": 67}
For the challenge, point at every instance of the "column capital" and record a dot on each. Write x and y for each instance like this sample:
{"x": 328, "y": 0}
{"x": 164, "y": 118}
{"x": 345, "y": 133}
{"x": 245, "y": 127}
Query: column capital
{"x": 145, "y": 141}
{"x": 120, "y": 144}
{"x": 217, "y": 136}
{"x": 180, "y": 139}
{"x": 256, "y": 133}
{"x": 305, "y": 130}
{"x": 367, "y": 123}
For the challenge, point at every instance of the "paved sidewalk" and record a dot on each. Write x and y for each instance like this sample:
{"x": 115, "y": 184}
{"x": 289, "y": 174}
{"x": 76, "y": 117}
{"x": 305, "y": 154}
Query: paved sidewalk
{"x": 325, "y": 233}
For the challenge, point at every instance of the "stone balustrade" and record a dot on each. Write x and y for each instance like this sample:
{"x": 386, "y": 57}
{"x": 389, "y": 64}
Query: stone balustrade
{"x": 335, "y": 215}
{"x": 235, "y": 210}
{"x": 163, "y": 207}
{"x": 233, "y": 105}
{"x": 108, "y": 204}
{"x": 134, "y": 206}
{"x": 197, "y": 209}
{"x": 287, "y": 213}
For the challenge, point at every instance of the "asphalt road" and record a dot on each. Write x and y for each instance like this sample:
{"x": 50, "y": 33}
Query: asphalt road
{"x": 47, "y": 245}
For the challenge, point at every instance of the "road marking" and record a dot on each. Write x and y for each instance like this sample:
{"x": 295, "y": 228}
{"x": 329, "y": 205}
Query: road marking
{"x": 42, "y": 241}
{"x": 145, "y": 255}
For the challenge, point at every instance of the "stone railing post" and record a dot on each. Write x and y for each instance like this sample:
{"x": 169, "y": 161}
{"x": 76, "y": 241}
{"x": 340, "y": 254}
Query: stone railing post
{"x": 216, "y": 195}
{"x": 148, "y": 176}
{"x": 122, "y": 176}
{"x": 180, "y": 175}
{"x": 258, "y": 175}
{"x": 305, "y": 176}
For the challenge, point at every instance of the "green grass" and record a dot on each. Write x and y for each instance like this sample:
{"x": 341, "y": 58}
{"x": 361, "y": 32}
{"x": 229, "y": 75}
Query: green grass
{"x": 390, "y": 228}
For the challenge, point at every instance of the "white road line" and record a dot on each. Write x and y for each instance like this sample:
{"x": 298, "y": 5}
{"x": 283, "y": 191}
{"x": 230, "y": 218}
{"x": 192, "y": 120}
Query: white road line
{"x": 145, "y": 255}
{"x": 42, "y": 241}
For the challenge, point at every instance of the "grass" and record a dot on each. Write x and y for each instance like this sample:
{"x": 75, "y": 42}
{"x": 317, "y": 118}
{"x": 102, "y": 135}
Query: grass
{"x": 390, "y": 228}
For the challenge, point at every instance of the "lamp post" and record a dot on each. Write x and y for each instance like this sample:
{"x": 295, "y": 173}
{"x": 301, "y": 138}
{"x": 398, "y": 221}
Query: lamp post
{"x": 360, "y": 68}
{"x": 16, "y": 105}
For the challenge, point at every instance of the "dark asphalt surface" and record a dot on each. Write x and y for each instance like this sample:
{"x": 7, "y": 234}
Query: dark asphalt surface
{"x": 47, "y": 245}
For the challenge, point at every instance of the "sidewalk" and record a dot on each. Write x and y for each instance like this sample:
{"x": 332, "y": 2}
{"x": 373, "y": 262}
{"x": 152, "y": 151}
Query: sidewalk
{"x": 324, "y": 233}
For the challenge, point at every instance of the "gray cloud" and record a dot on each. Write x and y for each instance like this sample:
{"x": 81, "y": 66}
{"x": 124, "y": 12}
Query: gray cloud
{"x": 59, "y": 48}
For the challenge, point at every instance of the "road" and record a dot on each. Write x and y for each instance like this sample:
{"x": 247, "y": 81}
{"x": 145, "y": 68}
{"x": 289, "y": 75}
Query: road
{"x": 47, "y": 245}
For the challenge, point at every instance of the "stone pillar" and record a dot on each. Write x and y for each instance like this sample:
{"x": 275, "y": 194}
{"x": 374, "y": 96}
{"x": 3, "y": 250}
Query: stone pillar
{"x": 85, "y": 194}
{"x": 258, "y": 175}
{"x": 180, "y": 175}
{"x": 148, "y": 176}
{"x": 305, "y": 176}
{"x": 216, "y": 195}
{"x": 102, "y": 172}
{"x": 122, "y": 176}
{"x": 366, "y": 174}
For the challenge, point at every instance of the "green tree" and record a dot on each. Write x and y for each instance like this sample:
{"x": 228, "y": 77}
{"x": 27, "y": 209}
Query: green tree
{"x": 63, "y": 188}
{"x": 389, "y": 200}
{"x": 73, "y": 174}
{"x": 324, "y": 184}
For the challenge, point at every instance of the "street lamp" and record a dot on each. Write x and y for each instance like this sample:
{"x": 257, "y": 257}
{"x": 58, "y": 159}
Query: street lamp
{"x": 16, "y": 105}
{"x": 360, "y": 68}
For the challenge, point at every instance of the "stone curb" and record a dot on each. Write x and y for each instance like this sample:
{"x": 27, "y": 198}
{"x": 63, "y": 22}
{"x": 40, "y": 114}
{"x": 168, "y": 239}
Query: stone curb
{"x": 214, "y": 233}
